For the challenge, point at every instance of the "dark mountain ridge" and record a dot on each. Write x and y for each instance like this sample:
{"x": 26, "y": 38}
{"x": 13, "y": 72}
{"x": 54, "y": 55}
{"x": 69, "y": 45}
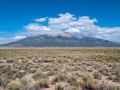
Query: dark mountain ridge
{"x": 61, "y": 40}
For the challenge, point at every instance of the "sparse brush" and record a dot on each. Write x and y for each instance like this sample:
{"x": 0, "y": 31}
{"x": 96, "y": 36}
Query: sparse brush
{"x": 60, "y": 65}
{"x": 71, "y": 88}
{"x": 103, "y": 86}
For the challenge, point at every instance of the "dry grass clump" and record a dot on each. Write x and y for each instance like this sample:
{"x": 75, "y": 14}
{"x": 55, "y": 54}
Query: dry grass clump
{"x": 14, "y": 85}
{"x": 87, "y": 82}
{"x": 30, "y": 86}
{"x": 25, "y": 81}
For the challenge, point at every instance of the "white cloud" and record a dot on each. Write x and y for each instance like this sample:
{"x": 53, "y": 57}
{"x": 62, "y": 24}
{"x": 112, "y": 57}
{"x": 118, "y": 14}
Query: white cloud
{"x": 36, "y": 27}
{"x": 63, "y": 18}
{"x": 72, "y": 30}
{"x": 62, "y": 22}
{"x": 68, "y": 22}
{"x": 41, "y": 19}
{"x": 18, "y": 37}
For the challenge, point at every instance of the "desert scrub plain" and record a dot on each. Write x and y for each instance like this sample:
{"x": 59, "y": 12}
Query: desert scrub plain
{"x": 60, "y": 69}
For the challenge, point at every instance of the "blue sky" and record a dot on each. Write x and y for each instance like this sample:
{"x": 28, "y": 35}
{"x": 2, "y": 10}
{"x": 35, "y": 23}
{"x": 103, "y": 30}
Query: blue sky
{"x": 22, "y": 18}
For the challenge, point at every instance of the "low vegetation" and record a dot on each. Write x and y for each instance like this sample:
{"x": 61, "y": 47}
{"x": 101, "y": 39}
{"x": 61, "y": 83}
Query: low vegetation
{"x": 60, "y": 69}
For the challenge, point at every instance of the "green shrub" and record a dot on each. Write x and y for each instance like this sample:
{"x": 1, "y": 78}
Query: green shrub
{"x": 72, "y": 80}
{"x": 5, "y": 70}
{"x": 59, "y": 77}
{"x": 59, "y": 87}
{"x": 114, "y": 88}
{"x": 39, "y": 75}
{"x": 30, "y": 86}
{"x": 117, "y": 77}
{"x": 97, "y": 75}
{"x": 0, "y": 81}
{"x": 25, "y": 81}
{"x": 43, "y": 83}
{"x": 10, "y": 61}
{"x": 51, "y": 73}
{"x": 18, "y": 75}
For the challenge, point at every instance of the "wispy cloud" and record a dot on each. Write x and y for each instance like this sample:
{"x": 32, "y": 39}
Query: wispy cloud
{"x": 3, "y": 39}
{"x": 18, "y": 37}
{"x": 69, "y": 23}
{"x": 41, "y": 19}
{"x": 10, "y": 39}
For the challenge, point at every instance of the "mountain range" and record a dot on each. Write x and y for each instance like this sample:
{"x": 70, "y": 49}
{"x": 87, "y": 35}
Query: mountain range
{"x": 61, "y": 40}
